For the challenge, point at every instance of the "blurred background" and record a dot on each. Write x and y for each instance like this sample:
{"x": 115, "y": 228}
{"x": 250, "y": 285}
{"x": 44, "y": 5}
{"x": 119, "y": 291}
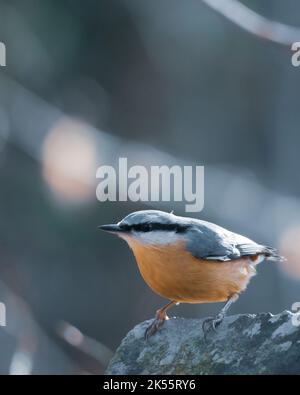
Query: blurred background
{"x": 159, "y": 82}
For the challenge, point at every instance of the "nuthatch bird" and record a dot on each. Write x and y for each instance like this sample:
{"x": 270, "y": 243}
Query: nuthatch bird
{"x": 187, "y": 260}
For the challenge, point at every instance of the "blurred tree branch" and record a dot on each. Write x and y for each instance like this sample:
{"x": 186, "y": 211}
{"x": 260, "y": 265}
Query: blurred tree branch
{"x": 254, "y": 23}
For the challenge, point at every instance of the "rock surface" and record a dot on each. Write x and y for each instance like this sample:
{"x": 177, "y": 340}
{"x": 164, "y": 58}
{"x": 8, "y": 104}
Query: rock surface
{"x": 243, "y": 344}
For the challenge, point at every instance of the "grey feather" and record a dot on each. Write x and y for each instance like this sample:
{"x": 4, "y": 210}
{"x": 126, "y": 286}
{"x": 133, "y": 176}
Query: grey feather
{"x": 205, "y": 240}
{"x": 212, "y": 242}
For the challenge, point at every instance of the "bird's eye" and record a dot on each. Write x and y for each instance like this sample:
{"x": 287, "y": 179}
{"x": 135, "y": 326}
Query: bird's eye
{"x": 147, "y": 227}
{"x": 143, "y": 227}
{"x": 124, "y": 226}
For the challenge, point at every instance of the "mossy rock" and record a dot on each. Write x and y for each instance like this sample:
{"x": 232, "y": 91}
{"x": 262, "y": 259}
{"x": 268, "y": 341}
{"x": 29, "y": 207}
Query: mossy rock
{"x": 243, "y": 344}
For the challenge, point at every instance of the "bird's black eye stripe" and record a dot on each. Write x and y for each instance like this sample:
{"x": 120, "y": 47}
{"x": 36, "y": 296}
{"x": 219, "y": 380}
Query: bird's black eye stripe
{"x": 148, "y": 227}
{"x": 125, "y": 227}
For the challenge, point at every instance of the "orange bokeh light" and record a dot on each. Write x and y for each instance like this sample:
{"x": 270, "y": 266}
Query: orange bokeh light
{"x": 69, "y": 160}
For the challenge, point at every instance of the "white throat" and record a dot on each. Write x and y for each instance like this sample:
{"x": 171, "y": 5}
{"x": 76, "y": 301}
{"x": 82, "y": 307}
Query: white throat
{"x": 154, "y": 237}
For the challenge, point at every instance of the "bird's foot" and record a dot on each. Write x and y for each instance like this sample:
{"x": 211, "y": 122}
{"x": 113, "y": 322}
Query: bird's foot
{"x": 155, "y": 325}
{"x": 211, "y": 323}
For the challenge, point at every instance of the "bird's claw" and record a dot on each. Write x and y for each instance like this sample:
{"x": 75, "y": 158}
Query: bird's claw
{"x": 211, "y": 323}
{"x": 153, "y": 327}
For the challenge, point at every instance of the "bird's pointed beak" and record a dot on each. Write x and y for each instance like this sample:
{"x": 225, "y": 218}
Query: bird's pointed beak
{"x": 112, "y": 228}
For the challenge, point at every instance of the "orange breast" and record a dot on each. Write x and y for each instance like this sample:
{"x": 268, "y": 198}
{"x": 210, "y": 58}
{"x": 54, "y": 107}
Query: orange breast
{"x": 175, "y": 274}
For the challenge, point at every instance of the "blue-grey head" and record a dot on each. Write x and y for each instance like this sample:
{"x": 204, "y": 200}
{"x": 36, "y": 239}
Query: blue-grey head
{"x": 151, "y": 227}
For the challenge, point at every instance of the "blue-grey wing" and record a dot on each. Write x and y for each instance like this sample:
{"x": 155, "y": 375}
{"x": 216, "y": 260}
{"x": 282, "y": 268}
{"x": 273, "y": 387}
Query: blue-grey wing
{"x": 209, "y": 241}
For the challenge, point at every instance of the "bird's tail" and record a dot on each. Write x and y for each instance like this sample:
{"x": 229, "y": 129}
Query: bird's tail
{"x": 271, "y": 254}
